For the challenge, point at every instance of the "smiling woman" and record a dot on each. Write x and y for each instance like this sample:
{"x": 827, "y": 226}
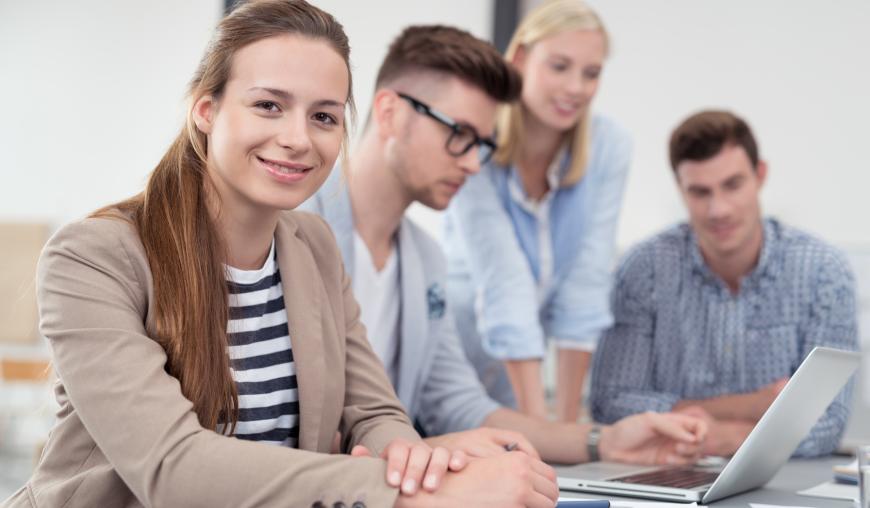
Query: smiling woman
{"x": 530, "y": 239}
{"x": 205, "y": 338}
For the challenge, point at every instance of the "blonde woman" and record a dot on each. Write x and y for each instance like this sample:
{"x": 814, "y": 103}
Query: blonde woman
{"x": 530, "y": 238}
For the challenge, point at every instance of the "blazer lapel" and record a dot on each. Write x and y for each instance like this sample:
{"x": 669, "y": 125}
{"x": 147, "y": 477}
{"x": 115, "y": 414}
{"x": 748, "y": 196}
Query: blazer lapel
{"x": 303, "y": 299}
{"x": 414, "y": 318}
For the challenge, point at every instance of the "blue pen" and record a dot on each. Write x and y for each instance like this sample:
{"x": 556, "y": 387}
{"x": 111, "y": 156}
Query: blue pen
{"x": 583, "y": 503}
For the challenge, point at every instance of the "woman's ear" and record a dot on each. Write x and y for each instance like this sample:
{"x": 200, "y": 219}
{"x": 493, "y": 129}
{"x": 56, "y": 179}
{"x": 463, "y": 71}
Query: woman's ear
{"x": 203, "y": 113}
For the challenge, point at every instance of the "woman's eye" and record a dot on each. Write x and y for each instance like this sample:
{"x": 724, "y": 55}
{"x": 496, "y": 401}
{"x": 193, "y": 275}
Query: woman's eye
{"x": 558, "y": 67}
{"x": 325, "y": 118}
{"x": 269, "y": 106}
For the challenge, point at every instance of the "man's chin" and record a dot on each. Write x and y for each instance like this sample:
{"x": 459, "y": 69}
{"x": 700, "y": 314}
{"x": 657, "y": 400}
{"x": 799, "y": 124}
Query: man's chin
{"x": 439, "y": 204}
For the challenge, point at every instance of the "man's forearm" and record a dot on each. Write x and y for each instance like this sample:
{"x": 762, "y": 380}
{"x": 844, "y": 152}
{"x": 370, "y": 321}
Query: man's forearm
{"x": 740, "y": 406}
{"x": 726, "y": 436}
{"x": 563, "y": 443}
{"x": 525, "y": 378}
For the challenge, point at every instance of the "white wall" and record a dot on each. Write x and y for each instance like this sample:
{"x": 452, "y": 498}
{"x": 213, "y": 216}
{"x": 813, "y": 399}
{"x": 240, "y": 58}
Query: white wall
{"x": 797, "y": 70}
{"x": 91, "y": 94}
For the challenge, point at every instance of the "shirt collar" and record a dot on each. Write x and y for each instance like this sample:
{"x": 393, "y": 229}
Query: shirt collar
{"x": 766, "y": 268}
{"x": 554, "y": 179}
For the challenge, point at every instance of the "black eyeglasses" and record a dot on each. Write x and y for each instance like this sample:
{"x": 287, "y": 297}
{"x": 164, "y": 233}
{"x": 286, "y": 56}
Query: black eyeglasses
{"x": 462, "y": 136}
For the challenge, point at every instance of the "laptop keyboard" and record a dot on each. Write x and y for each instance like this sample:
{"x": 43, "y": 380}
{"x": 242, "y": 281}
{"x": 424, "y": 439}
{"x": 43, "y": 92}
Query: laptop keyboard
{"x": 677, "y": 477}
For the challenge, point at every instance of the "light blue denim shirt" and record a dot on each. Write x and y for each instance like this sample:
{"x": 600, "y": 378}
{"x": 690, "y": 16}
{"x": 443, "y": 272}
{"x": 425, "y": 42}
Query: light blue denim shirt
{"x": 509, "y": 293}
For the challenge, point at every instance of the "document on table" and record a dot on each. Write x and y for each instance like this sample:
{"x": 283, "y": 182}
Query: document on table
{"x": 756, "y": 505}
{"x": 621, "y": 503}
{"x": 832, "y": 490}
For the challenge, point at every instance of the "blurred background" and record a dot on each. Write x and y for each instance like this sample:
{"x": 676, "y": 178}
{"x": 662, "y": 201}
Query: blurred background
{"x": 92, "y": 92}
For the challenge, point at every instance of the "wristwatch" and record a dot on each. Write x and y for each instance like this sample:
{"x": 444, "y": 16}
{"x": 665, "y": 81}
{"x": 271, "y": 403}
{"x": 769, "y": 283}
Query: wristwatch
{"x": 592, "y": 440}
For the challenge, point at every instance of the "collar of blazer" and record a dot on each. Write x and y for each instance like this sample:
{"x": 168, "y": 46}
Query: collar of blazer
{"x": 303, "y": 300}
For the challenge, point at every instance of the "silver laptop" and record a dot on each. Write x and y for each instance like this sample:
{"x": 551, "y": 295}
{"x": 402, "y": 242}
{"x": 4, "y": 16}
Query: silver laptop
{"x": 770, "y": 444}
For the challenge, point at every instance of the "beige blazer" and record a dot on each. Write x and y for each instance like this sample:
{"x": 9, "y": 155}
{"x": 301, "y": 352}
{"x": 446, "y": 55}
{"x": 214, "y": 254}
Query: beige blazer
{"x": 125, "y": 435}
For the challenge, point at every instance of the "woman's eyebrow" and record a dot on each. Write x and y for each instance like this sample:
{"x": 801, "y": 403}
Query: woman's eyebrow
{"x": 288, "y": 97}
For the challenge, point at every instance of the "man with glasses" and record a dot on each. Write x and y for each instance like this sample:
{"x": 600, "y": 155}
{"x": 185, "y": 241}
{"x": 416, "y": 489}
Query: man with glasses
{"x": 430, "y": 127}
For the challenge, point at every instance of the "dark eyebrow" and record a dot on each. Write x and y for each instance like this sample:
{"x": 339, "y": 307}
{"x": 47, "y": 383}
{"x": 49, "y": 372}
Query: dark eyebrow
{"x": 698, "y": 189}
{"x": 734, "y": 179}
{"x": 287, "y": 96}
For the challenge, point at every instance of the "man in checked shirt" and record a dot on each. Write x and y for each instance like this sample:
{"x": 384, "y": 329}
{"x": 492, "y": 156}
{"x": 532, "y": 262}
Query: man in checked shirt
{"x": 713, "y": 316}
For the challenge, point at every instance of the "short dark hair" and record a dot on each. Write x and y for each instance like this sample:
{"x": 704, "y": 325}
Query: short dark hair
{"x": 454, "y": 52}
{"x": 704, "y": 134}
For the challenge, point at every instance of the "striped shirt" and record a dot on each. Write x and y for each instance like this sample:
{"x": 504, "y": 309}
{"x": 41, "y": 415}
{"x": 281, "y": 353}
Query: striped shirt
{"x": 261, "y": 357}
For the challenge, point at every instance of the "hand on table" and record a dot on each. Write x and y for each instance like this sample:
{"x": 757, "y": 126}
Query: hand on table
{"x": 410, "y": 465}
{"x": 654, "y": 438}
{"x": 507, "y": 480}
{"x": 723, "y": 437}
{"x": 484, "y": 442}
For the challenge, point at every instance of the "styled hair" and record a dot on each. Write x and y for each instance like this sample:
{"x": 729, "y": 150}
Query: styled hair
{"x": 704, "y": 134}
{"x": 454, "y": 52}
{"x": 548, "y": 19}
{"x": 185, "y": 251}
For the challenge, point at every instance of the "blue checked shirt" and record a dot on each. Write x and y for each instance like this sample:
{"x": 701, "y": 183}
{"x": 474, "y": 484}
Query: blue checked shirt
{"x": 680, "y": 334}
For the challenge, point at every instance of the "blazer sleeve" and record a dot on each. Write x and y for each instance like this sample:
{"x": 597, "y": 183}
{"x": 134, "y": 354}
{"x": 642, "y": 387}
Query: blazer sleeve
{"x": 92, "y": 299}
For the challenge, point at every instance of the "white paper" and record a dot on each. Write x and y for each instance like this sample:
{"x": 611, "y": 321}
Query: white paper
{"x": 756, "y": 505}
{"x": 832, "y": 490}
{"x": 619, "y": 503}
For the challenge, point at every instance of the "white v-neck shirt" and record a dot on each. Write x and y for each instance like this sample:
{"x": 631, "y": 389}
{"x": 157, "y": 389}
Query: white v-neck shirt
{"x": 378, "y": 295}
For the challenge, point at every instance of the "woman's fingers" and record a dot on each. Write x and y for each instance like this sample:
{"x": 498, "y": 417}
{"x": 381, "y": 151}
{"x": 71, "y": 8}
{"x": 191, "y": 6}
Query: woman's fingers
{"x": 397, "y": 459}
{"x": 418, "y": 461}
{"x": 438, "y": 464}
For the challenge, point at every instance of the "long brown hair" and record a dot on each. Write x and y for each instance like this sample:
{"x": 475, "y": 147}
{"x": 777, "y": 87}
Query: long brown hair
{"x": 184, "y": 247}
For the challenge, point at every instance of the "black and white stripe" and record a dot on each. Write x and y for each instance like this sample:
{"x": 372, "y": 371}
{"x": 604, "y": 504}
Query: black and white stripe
{"x": 261, "y": 356}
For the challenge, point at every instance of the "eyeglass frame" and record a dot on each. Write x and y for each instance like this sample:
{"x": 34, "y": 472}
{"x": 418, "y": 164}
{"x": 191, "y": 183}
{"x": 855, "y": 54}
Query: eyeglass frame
{"x": 454, "y": 126}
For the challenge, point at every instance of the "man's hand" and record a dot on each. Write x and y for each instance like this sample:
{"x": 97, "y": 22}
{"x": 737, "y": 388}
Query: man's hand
{"x": 724, "y": 437}
{"x": 484, "y": 442}
{"x": 407, "y": 463}
{"x": 654, "y": 438}
{"x": 508, "y": 480}
{"x": 758, "y": 401}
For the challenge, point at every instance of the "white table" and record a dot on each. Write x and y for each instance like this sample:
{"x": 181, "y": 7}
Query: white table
{"x": 794, "y": 476}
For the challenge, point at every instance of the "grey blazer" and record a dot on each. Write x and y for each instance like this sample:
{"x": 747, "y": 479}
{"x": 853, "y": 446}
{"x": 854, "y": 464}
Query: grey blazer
{"x": 125, "y": 435}
{"x": 436, "y": 383}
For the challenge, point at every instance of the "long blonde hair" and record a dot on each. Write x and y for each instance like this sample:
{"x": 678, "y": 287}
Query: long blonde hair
{"x": 550, "y": 18}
